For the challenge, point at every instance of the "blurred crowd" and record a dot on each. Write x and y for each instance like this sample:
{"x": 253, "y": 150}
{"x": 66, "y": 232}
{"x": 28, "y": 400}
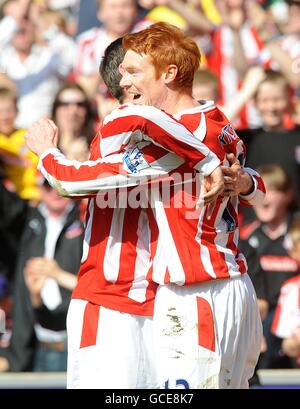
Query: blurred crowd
{"x": 50, "y": 51}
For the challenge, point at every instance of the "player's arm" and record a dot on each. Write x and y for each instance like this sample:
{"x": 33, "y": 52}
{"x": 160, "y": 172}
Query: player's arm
{"x": 83, "y": 178}
{"x": 73, "y": 178}
{"x": 244, "y": 182}
{"x": 240, "y": 180}
{"x": 133, "y": 123}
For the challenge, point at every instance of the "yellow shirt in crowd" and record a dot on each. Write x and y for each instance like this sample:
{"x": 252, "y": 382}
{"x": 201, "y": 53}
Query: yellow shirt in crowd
{"x": 20, "y": 165}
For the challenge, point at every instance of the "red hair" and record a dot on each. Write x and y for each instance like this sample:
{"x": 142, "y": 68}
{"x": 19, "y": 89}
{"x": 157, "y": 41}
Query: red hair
{"x": 166, "y": 45}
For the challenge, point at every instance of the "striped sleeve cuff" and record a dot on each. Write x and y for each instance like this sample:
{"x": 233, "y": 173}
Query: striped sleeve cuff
{"x": 251, "y": 195}
{"x": 208, "y": 164}
{"x": 53, "y": 151}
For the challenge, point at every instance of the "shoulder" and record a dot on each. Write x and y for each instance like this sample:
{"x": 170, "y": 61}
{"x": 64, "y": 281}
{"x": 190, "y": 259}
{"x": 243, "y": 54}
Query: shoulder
{"x": 291, "y": 284}
{"x": 125, "y": 110}
{"x": 214, "y": 114}
{"x": 250, "y": 229}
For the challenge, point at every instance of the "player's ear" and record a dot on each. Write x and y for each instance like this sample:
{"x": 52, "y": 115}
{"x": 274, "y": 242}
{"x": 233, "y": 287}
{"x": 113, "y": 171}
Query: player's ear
{"x": 170, "y": 73}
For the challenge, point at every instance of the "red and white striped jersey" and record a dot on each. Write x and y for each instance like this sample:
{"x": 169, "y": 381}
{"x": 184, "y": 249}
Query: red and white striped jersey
{"x": 108, "y": 168}
{"x": 119, "y": 242}
{"x": 174, "y": 254}
{"x": 206, "y": 249}
{"x": 287, "y": 314}
{"x": 198, "y": 249}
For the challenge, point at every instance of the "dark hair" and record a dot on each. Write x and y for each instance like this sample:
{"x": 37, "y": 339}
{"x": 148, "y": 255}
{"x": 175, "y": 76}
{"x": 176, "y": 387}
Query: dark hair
{"x": 88, "y": 129}
{"x": 109, "y": 67}
{"x": 6, "y": 92}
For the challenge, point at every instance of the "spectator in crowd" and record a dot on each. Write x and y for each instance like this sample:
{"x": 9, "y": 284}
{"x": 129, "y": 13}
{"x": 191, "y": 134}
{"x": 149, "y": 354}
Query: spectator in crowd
{"x": 41, "y": 295}
{"x": 270, "y": 265}
{"x": 286, "y": 323}
{"x": 206, "y": 87}
{"x": 232, "y": 47}
{"x": 296, "y": 107}
{"x": 156, "y": 11}
{"x": 118, "y": 18}
{"x": 36, "y": 69}
{"x": 19, "y": 163}
{"x": 281, "y": 42}
{"x": 10, "y": 222}
{"x": 50, "y": 25}
{"x": 277, "y": 141}
{"x": 69, "y": 9}
{"x": 74, "y": 115}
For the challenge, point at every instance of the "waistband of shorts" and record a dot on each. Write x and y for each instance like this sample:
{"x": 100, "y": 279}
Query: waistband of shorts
{"x": 54, "y": 346}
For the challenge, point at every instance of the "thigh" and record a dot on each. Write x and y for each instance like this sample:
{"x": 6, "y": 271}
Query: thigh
{"x": 207, "y": 335}
{"x": 239, "y": 331}
{"x": 185, "y": 339}
{"x": 106, "y": 349}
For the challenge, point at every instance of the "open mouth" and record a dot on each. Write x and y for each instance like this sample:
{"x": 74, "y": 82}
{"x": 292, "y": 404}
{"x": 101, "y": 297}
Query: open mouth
{"x": 136, "y": 96}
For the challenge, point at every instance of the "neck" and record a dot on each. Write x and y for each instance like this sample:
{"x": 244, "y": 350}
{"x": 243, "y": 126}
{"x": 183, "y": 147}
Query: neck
{"x": 276, "y": 228}
{"x": 53, "y": 214}
{"x": 70, "y": 135}
{"x": 23, "y": 55}
{"x": 277, "y": 128}
{"x": 177, "y": 101}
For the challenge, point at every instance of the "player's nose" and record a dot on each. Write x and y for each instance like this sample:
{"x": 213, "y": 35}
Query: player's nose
{"x": 125, "y": 81}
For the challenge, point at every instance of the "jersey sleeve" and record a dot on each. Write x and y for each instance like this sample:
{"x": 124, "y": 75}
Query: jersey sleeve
{"x": 257, "y": 195}
{"x": 233, "y": 144}
{"x": 130, "y": 124}
{"x": 73, "y": 178}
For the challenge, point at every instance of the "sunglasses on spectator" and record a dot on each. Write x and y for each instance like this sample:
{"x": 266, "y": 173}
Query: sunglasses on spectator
{"x": 81, "y": 104}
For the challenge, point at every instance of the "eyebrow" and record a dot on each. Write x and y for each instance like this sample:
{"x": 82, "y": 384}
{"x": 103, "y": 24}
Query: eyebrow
{"x": 130, "y": 67}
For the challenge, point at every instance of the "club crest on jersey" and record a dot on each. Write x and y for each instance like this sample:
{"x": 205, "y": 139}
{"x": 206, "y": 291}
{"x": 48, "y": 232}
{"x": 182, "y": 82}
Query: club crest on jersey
{"x": 228, "y": 135}
{"x": 134, "y": 161}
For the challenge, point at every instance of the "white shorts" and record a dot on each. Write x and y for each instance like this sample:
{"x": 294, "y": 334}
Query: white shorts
{"x": 109, "y": 349}
{"x": 207, "y": 336}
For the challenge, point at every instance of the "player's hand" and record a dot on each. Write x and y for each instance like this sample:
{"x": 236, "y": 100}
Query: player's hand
{"x": 41, "y": 136}
{"x": 236, "y": 180}
{"x": 212, "y": 187}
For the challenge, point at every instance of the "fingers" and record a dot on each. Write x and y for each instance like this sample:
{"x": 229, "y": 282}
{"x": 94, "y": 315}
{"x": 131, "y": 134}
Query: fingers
{"x": 55, "y": 129}
{"x": 232, "y": 159}
{"x": 209, "y": 199}
{"x": 210, "y": 209}
{"x": 53, "y": 126}
{"x": 228, "y": 192}
{"x": 227, "y": 171}
{"x": 212, "y": 194}
{"x": 41, "y": 136}
{"x": 229, "y": 180}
